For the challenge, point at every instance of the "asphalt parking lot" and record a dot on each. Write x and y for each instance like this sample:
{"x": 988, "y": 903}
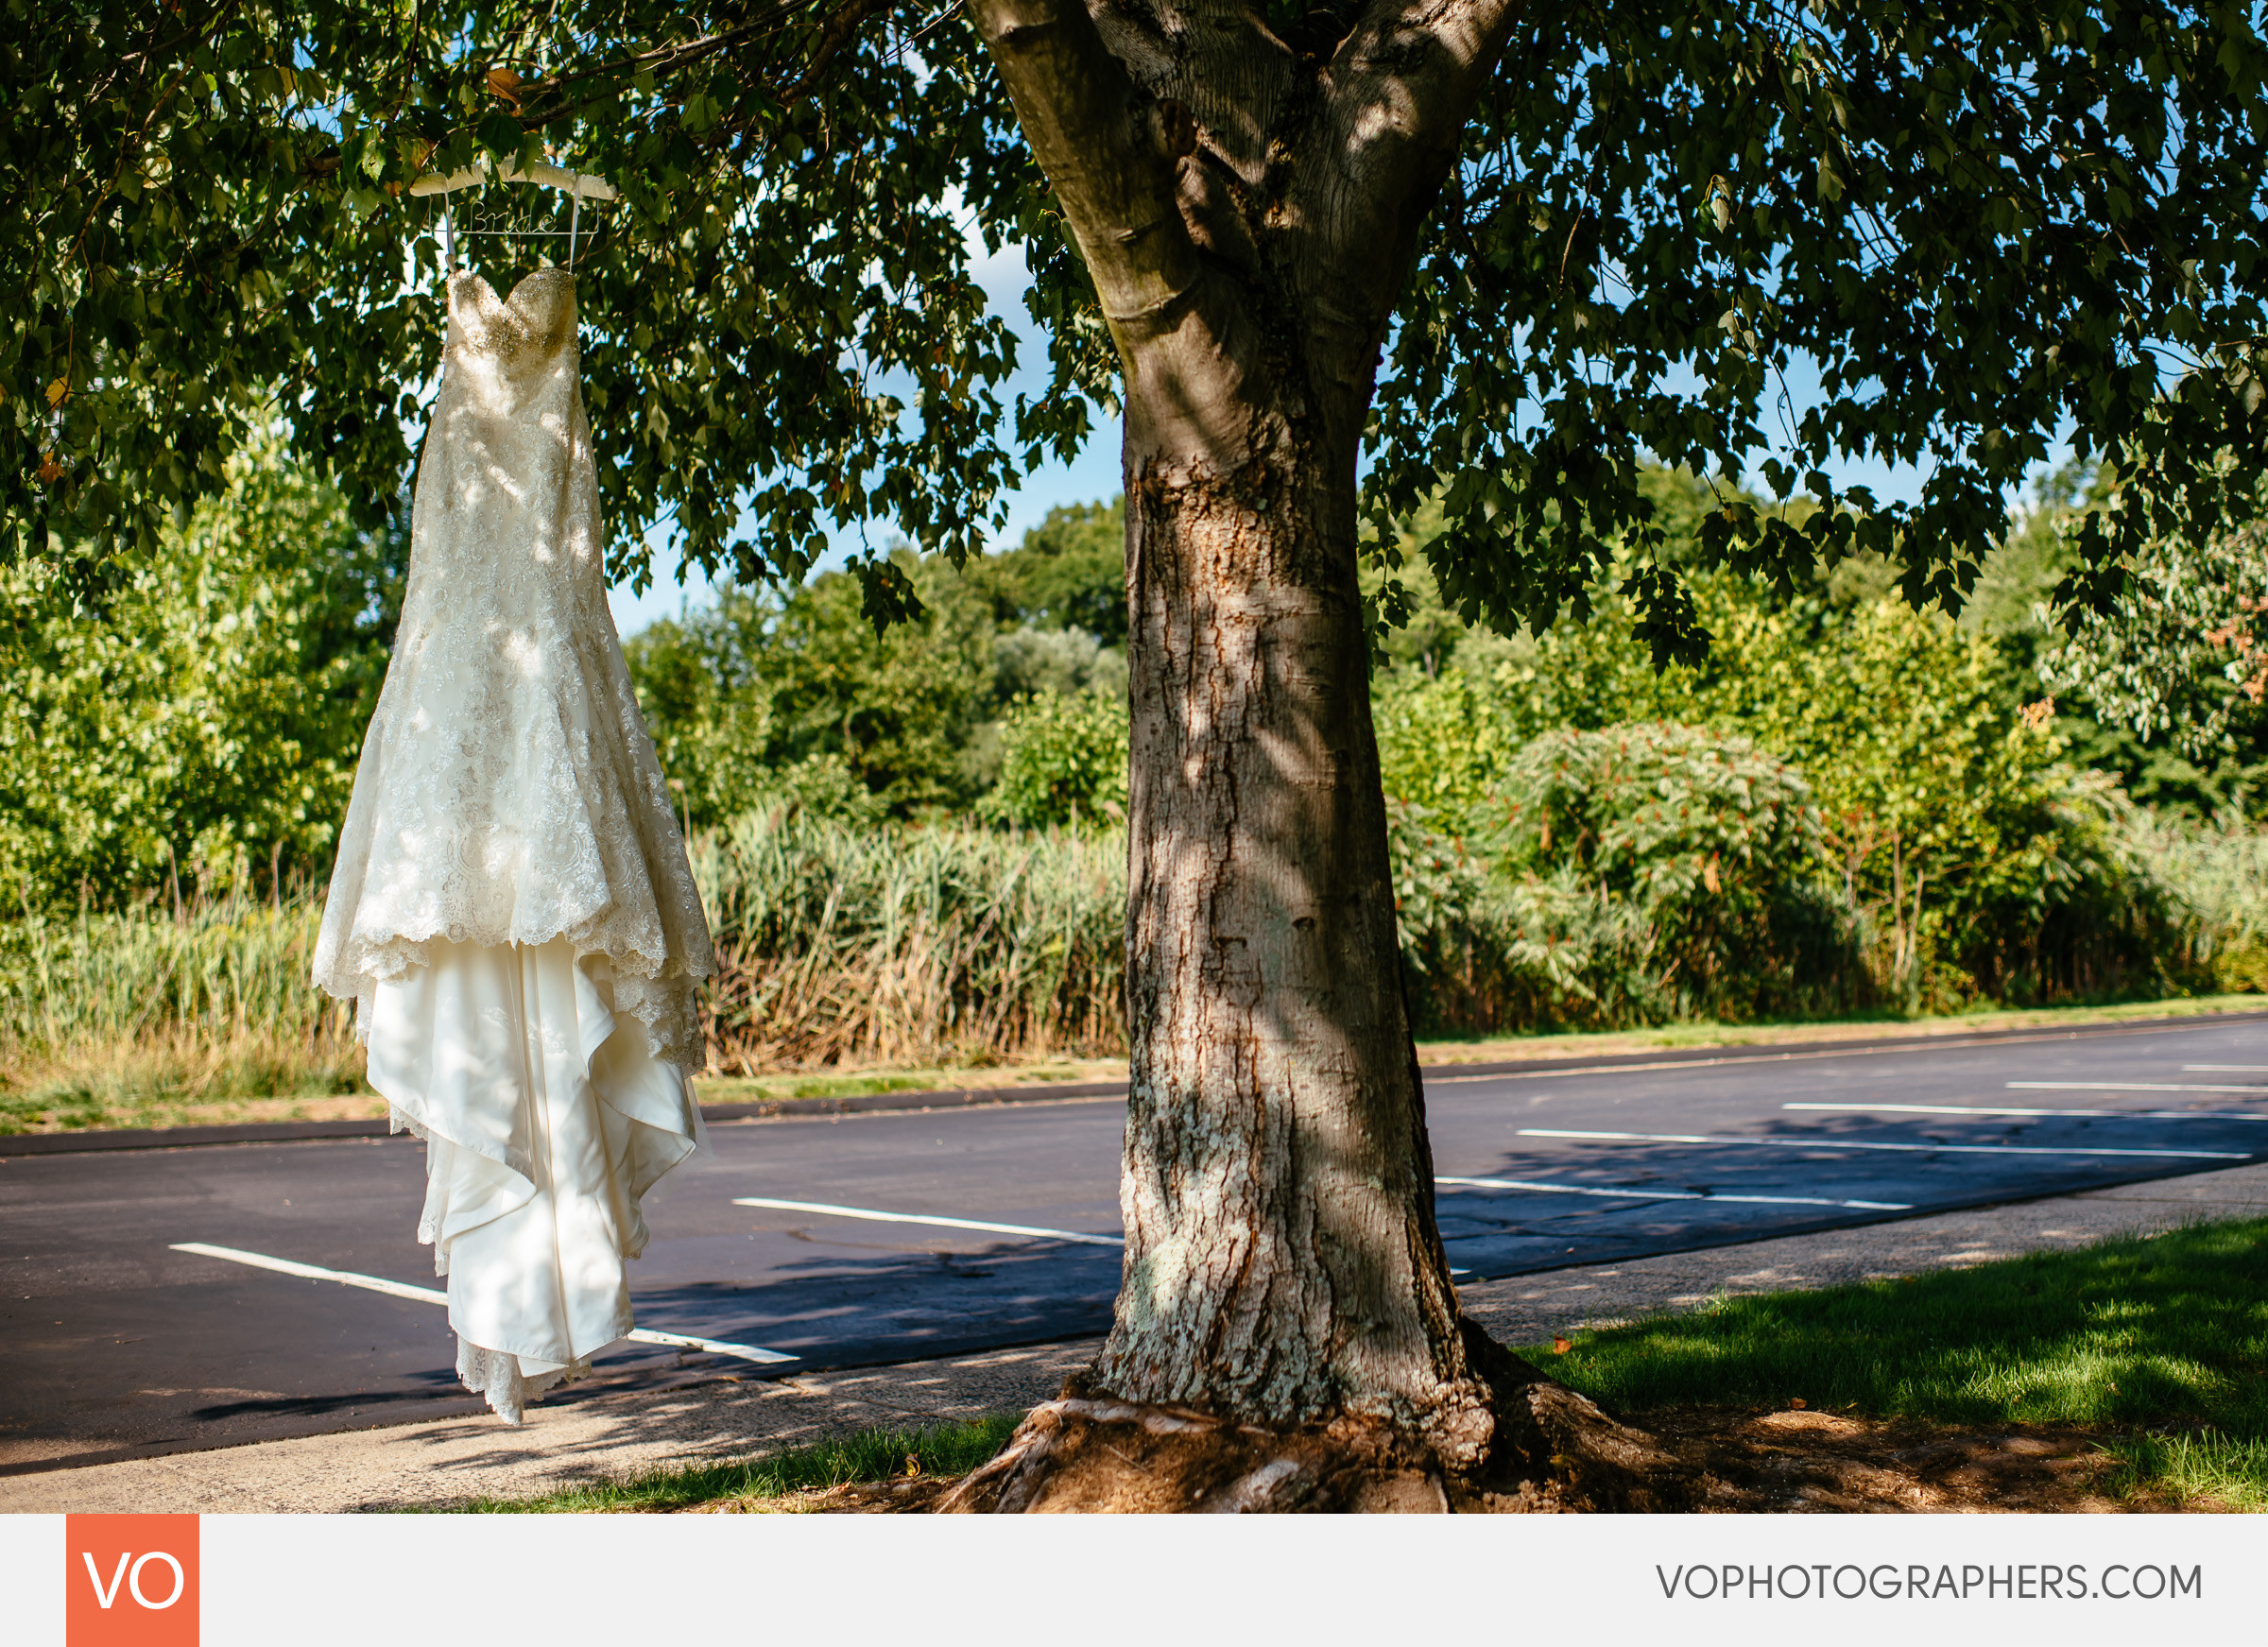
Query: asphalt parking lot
{"x": 899, "y": 1235}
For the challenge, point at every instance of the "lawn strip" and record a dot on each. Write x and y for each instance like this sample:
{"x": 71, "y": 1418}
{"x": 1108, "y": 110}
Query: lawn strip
{"x": 1882, "y": 1026}
{"x": 2156, "y": 1343}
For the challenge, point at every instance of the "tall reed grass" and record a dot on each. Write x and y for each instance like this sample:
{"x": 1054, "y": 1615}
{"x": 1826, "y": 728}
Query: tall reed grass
{"x": 845, "y": 944}
{"x": 203, "y": 1003}
{"x": 2213, "y": 879}
{"x": 838, "y": 945}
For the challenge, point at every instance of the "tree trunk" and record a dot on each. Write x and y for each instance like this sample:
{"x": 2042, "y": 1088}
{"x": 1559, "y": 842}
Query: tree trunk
{"x": 1283, "y": 1266}
{"x": 1286, "y": 1332}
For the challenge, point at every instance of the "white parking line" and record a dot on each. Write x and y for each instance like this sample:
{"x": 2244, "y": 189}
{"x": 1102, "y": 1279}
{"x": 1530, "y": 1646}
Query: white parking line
{"x": 2124, "y": 1087}
{"x": 428, "y": 1296}
{"x": 1671, "y": 1195}
{"x": 2079, "y": 1114}
{"x": 1974, "y": 1149}
{"x": 315, "y": 1272}
{"x": 877, "y": 1217}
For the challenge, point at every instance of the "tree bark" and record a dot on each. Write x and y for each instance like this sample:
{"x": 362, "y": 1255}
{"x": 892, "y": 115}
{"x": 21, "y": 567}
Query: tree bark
{"x": 1283, "y": 1266}
{"x": 1247, "y": 214}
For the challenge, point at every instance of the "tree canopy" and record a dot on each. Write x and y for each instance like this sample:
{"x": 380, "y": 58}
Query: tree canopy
{"x": 1980, "y": 224}
{"x": 205, "y": 730}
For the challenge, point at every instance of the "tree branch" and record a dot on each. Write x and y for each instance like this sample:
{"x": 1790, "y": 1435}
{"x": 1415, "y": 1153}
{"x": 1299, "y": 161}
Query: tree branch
{"x": 1399, "y": 91}
{"x": 1397, "y": 95}
{"x": 1244, "y": 70}
{"x": 1109, "y": 149}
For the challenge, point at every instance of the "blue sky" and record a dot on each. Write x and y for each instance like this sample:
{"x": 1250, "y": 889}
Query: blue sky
{"x": 1095, "y": 475}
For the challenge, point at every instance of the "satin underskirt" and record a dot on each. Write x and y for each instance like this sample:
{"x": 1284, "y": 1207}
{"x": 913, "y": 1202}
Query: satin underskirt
{"x": 545, "y": 1123}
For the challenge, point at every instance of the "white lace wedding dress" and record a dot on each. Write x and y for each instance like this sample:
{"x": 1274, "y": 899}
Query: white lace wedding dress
{"x": 511, "y": 908}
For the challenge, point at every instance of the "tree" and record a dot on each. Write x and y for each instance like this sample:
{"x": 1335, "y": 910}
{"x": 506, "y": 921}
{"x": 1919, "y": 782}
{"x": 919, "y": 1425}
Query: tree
{"x": 758, "y": 698}
{"x": 2186, "y": 658}
{"x": 1063, "y": 761}
{"x": 1068, "y": 572}
{"x": 207, "y": 731}
{"x": 1482, "y": 247}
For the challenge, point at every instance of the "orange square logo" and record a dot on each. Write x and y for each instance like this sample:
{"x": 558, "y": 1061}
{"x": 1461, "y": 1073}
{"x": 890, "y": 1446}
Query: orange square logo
{"x": 129, "y": 1581}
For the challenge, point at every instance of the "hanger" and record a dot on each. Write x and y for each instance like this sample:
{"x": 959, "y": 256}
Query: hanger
{"x": 583, "y": 186}
{"x": 579, "y": 186}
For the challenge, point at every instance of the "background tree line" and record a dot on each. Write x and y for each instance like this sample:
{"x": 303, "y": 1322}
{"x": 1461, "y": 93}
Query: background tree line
{"x": 1848, "y": 806}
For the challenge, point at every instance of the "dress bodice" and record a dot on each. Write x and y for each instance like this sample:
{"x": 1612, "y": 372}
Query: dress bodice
{"x": 506, "y": 515}
{"x": 525, "y": 331}
{"x": 508, "y": 792}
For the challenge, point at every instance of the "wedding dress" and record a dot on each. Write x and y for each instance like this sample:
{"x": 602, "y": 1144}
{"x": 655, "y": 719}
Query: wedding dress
{"x": 512, "y": 910}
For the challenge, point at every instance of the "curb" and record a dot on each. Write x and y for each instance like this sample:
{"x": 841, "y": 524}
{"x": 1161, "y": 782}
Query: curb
{"x": 40, "y": 1143}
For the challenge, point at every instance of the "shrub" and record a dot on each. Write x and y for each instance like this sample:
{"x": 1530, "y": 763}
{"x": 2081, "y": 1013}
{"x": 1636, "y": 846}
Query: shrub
{"x": 1977, "y": 860}
{"x": 1634, "y": 873}
{"x": 1063, "y": 762}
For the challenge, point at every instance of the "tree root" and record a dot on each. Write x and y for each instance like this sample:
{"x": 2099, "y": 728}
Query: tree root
{"x": 1554, "y": 1450}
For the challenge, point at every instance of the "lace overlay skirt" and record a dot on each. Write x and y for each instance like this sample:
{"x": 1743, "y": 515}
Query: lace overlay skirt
{"x": 545, "y": 1120}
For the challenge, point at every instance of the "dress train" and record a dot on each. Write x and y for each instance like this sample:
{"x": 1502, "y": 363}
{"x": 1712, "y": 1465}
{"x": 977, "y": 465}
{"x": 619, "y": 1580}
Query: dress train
{"x": 545, "y": 1119}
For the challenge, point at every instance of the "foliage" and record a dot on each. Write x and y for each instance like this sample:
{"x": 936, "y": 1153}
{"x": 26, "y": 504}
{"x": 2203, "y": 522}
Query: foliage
{"x": 1027, "y": 660}
{"x": 1442, "y": 742}
{"x": 207, "y": 726}
{"x": 2187, "y": 655}
{"x": 1981, "y": 861}
{"x": 1628, "y": 875}
{"x": 1068, "y": 572}
{"x": 1063, "y": 762}
{"x": 757, "y": 698}
{"x": 1664, "y": 815}
{"x": 2211, "y": 881}
{"x": 1735, "y": 191}
{"x": 1924, "y": 777}
{"x": 712, "y": 734}
{"x": 2168, "y": 1332}
{"x": 844, "y": 945}
{"x": 2224, "y": 770}
{"x": 754, "y": 687}
{"x": 1979, "y": 223}
{"x": 210, "y": 209}
{"x": 839, "y": 944}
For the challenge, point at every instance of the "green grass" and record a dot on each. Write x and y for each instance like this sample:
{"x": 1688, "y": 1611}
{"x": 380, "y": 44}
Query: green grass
{"x": 863, "y": 1455}
{"x": 2159, "y": 1341}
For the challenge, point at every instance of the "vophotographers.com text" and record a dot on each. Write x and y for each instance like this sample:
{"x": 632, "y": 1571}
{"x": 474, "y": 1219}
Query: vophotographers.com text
{"x": 1915, "y": 1580}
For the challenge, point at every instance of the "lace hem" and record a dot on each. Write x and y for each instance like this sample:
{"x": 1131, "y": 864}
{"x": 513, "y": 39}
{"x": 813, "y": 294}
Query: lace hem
{"x": 498, "y": 1378}
{"x": 662, "y": 997}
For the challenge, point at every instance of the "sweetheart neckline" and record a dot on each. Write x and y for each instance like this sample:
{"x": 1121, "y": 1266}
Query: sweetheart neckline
{"x": 472, "y": 274}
